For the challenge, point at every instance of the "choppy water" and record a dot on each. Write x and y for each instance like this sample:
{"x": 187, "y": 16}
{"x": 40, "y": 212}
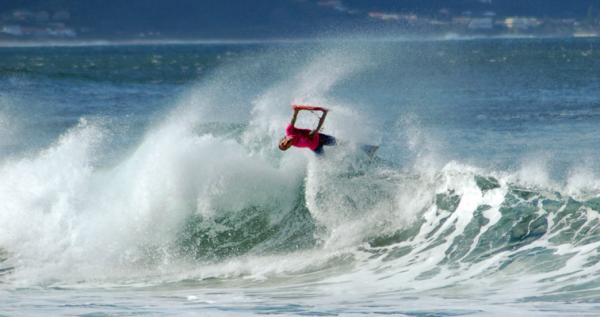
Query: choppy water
{"x": 146, "y": 180}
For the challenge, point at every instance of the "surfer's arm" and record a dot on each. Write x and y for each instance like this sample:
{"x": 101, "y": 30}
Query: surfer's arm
{"x": 321, "y": 121}
{"x": 294, "y": 116}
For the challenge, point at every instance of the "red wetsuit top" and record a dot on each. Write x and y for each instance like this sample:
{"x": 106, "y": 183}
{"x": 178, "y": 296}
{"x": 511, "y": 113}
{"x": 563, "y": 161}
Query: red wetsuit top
{"x": 301, "y": 138}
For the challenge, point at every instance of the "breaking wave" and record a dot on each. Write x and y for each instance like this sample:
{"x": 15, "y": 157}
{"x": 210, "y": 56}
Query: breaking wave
{"x": 205, "y": 196}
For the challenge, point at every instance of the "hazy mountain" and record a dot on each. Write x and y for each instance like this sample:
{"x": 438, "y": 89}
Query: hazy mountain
{"x": 259, "y": 18}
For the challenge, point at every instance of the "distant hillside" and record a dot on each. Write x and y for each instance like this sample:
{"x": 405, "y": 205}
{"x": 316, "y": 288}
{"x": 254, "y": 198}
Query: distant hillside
{"x": 256, "y": 18}
{"x": 539, "y": 8}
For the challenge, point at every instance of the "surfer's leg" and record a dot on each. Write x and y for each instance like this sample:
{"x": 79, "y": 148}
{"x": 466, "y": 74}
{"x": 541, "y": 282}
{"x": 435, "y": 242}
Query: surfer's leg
{"x": 325, "y": 139}
{"x": 319, "y": 150}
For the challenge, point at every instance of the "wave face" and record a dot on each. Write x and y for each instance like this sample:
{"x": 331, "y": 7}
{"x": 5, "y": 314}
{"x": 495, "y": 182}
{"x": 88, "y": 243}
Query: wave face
{"x": 168, "y": 183}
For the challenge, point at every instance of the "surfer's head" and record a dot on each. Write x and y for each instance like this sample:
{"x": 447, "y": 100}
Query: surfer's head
{"x": 285, "y": 143}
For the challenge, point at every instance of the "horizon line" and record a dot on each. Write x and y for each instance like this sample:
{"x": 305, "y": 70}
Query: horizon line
{"x": 237, "y": 41}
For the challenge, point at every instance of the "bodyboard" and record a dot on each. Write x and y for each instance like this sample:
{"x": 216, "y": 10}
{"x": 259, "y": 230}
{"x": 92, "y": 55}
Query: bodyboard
{"x": 308, "y": 107}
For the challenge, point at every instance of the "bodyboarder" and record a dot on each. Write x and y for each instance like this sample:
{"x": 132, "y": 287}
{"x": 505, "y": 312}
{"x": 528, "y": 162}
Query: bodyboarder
{"x": 306, "y": 138}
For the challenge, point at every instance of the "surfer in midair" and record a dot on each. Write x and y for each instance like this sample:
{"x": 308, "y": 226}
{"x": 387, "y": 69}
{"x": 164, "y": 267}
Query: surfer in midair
{"x": 305, "y": 138}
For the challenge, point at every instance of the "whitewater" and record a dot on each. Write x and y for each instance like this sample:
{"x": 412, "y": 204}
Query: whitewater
{"x": 146, "y": 180}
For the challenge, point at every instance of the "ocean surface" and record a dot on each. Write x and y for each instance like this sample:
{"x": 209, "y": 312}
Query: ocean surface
{"x": 146, "y": 180}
